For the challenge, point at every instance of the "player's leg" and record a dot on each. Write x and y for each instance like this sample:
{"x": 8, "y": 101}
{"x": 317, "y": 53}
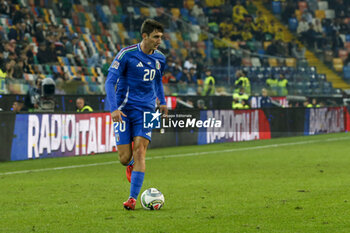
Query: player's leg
{"x": 123, "y": 139}
{"x": 139, "y": 153}
{"x": 138, "y": 174}
{"x": 141, "y": 138}
{"x": 125, "y": 153}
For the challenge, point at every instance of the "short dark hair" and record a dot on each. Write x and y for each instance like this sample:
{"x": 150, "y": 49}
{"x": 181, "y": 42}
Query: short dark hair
{"x": 149, "y": 25}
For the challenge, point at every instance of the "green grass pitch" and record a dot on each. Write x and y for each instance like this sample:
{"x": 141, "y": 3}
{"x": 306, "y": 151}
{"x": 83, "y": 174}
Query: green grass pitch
{"x": 299, "y": 184}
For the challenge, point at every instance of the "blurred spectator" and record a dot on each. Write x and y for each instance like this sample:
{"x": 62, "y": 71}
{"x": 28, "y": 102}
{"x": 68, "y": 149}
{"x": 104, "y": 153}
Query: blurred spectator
{"x": 168, "y": 78}
{"x": 189, "y": 63}
{"x": 64, "y": 7}
{"x": 28, "y": 51}
{"x": 265, "y": 100}
{"x": 129, "y": 21}
{"x": 282, "y": 86}
{"x": 169, "y": 82}
{"x": 247, "y": 35}
{"x": 209, "y": 84}
{"x": 279, "y": 35}
{"x": 12, "y": 46}
{"x": 251, "y": 8}
{"x": 60, "y": 48}
{"x": 42, "y": 55}
{"x": 33, "y": 95}
{"x": 20, "y": 15}
{"x": 272, "y": 48}
{"x": 59, "y": 90}
{"x": 240, "y": 95}
{"x": 310, "y": 36}
{"x": 10, "y": 68}
{"x": 196, "y": 11}
{"x": 239, "y": 12}
{"x": 313, "y": 104}
{"x": 313, "y": 5}
{"x": 4, "y": 7}
{"x": 317, "y": 25}
{"x": 18, "y": 106}
{"x": 298, "y": 52}
{"x": 194, "y": 76}
{"x": 272, "y": 83}
{"x": 18, "y": 70}
{"x": 82, "y": 106}
{"x": 2, "y": 61}
{"x": 186, "y": 77}
{"x": 51, "y": 53}
{"x": 243, "y": 104}
{"x": 303, "y": 26}
{"x": 202, "y": 19}
{"x": 339, "y": 8}
{"x": 16, "y": 32}
{"x": 161, "y": 17}
{"x": 96, "y": 59}
{"x": 307, "y": 16}
{"x": 260, "y": 16}
{"x": 39, "y": 33}
{"x": 201, "y": 104}
{"x": 289, "y": 11}
{"x": 235, "y": 34}
{"x": 29, "y": 25}
{"x": 71, "y": 46}
{"x": 242, "y": 82}
{"x": 175, "y": 24}
{"x": 337, "y": 42}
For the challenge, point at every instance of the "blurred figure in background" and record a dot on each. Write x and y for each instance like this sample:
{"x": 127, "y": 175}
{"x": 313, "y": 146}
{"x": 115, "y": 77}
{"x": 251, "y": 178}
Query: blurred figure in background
{"x": 209, "y": 84}
{"x": 265, "y": 101}
{"x": 240, "y": 99}
{"x": 33, "y": 95}
{"x": 242, "y": 82}
{"x": 82, "y": 106}
{"x": 18, "y": 106}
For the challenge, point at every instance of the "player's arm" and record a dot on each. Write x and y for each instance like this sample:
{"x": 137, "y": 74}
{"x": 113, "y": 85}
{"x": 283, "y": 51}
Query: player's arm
{"x": 114, "y": 72}
{"x": 160, "y": 94}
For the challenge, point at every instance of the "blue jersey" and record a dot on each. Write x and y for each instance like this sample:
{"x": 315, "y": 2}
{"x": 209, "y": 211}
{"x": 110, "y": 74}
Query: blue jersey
{"x": 138, "y": 77}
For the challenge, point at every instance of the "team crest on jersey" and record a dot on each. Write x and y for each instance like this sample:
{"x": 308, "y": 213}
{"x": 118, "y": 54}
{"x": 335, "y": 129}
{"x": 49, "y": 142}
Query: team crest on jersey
{"x": 115, "y": 64}
{"x": 157, "y": 65}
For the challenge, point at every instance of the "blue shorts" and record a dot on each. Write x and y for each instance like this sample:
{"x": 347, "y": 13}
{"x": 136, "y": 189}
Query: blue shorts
{"x": 131, "y": 127}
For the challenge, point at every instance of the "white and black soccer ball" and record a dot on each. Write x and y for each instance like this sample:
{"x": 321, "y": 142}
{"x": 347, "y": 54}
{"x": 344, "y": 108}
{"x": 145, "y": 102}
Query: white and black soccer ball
{"x": 152, "y": 199}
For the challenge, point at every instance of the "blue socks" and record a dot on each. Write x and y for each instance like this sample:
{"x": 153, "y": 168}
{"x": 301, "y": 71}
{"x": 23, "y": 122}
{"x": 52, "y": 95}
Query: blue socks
{"x": 131, "y": 162}
{"x": 136, "y": 183}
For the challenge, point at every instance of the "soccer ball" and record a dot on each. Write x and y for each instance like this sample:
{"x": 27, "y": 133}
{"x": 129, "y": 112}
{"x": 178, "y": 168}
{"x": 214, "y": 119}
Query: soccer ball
{"x": 152, "y": 199}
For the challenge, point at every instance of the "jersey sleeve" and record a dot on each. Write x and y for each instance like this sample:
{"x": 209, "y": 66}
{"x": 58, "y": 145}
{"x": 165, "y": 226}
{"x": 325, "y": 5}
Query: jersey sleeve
{"x": 115, "y": 72}
{"x": 160, "y": 90}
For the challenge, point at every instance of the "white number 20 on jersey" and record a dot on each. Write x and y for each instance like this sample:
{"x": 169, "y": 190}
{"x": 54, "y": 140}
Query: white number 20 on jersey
{"x": 149, "y": 74}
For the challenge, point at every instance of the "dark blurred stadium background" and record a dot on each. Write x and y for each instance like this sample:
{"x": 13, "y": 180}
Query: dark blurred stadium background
{"x": 295, "y": 49}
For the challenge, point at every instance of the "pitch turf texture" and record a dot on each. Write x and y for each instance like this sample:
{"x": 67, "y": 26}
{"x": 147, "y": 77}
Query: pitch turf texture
{"x": 298, "y": 184}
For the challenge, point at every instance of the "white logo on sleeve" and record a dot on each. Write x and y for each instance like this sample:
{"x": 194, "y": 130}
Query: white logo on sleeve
{"x": 115, "y": 64}
{"x": 140, "y": 64}
{"x": 157, "y": 65}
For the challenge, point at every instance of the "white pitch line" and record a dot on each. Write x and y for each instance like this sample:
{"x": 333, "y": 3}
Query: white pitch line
{"x": 179, "y": 155}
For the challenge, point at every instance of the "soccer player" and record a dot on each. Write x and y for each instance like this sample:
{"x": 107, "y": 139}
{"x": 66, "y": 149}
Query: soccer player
{"x": 137, "y": 72}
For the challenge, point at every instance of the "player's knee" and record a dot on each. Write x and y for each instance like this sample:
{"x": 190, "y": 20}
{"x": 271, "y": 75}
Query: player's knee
{"x": 124, "y": 158}
{"x": 139, "y": 154}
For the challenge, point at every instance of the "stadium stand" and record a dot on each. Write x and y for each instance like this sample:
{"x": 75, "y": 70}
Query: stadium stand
{"x": 324, "y": 26}
{"x": 73, "y": 42}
